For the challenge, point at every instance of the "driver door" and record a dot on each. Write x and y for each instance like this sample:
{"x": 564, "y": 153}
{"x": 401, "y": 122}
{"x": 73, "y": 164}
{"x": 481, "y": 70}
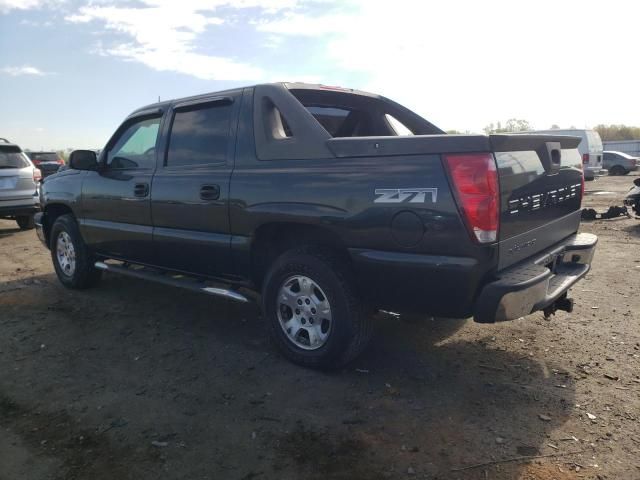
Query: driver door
{"x": 116, "y": 199}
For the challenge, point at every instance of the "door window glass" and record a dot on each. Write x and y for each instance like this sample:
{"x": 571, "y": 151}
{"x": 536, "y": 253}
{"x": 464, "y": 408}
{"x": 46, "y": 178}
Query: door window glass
{"x": 136, "y": 147}
{"x": 200, "y": 135}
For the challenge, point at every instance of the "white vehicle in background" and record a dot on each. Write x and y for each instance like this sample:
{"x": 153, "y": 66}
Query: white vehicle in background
{"x": 19, "y": 180}
{"x": 590, "y": 148}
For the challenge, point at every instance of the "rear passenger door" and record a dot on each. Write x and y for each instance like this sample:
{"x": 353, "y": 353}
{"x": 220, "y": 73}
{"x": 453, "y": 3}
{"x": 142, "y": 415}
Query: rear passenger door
{"x": 190, "y": 193}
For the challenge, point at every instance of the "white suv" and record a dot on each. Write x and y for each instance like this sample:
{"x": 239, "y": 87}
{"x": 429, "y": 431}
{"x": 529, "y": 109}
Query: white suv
{"x": 19, "y": 181}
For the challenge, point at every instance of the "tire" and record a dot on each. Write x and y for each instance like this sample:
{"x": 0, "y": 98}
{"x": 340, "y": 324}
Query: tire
{"x": 618, "y": 170}
{"x": 25, "y": 222}
{"x": 82, "y": 274}
{"x": 345, "y": 325}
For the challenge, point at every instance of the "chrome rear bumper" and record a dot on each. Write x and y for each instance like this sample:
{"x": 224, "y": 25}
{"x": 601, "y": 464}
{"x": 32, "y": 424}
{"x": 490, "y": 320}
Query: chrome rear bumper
{"x": 537, "y": 283}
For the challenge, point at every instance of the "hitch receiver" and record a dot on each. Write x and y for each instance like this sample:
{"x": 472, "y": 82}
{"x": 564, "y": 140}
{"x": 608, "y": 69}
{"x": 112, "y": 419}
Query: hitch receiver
{"x": 563, "y": 303}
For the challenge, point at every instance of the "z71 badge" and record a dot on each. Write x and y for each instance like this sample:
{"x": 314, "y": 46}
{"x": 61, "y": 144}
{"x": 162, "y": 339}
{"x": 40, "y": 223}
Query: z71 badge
{"x": 399, "y": 195}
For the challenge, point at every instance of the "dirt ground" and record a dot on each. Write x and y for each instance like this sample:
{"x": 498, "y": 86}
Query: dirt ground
{"x": 141, "y": 381}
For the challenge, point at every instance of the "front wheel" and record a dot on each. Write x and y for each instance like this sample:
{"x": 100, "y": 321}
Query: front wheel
{"x": 25, "y": 222}
{"x": 315, "y": 316}
{"x": 71, "y": 259}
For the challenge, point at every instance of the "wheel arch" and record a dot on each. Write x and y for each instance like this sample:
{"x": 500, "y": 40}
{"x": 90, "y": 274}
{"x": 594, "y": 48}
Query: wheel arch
{"x": 270, "y": 240}
{"x": 51, "y": 213}
{"x": 618, "y": 169}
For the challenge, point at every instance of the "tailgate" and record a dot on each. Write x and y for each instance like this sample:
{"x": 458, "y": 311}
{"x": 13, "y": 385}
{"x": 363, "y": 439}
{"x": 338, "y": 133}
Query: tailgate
{"x": 540, "y": 192}
{"x": 16, "y": 184}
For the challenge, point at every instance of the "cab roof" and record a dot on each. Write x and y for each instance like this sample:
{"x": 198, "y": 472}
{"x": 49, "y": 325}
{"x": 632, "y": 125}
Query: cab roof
{"x": 160, "y": 106}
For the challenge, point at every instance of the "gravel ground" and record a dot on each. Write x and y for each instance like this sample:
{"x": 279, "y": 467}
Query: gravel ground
{"x": 137, "y": 380}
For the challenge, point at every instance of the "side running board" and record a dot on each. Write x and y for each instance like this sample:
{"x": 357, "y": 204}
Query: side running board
{"x": 171, "y": 280}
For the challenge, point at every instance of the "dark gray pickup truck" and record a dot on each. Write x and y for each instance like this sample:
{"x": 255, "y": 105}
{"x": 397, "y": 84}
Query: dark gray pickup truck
{"x": 327, "y": 203}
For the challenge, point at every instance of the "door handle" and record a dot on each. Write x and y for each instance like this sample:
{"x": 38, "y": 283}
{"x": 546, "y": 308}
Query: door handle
{"x": 141, "y": 189}
{"x": 209, "y": 192}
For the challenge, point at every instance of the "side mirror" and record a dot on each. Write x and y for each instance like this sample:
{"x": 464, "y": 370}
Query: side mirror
{"x": 83, "y": 160}
{"x": 637, "y": 182}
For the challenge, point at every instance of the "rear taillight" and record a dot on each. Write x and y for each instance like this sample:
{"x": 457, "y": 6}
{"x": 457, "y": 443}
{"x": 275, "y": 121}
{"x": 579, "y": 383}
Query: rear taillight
{"x": 37, "y": 175}
{"x": 585, "y": 158}
{"x": 60, "y": 161}
{"x": 475, "y": 181}
{"x": 36, "y": 161}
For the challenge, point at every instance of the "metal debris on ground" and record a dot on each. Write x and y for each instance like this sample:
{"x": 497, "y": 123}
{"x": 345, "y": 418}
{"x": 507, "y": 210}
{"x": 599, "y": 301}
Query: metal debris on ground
{"x": 612, "y": 212}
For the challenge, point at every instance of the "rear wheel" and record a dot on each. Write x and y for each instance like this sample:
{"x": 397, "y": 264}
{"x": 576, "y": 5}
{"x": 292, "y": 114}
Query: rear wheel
{"x": 71, "y": 258}
{"x": 315, "y": 317}
{"x": 25, "y": 222}
{"x": 618, "y": 170}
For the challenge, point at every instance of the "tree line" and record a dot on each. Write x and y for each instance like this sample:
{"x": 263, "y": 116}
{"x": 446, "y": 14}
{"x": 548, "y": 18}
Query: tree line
{"x": 617, "y": 132}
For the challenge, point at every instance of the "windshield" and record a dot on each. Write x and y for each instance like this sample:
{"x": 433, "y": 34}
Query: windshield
{"x": 12, "y": 157}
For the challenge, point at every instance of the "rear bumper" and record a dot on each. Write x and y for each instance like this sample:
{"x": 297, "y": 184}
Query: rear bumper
{"x": 536, "y": 283}
{"x": 438, "y": 285}
{"x": 46, "y": 171}
{"x": 18, "y": 210}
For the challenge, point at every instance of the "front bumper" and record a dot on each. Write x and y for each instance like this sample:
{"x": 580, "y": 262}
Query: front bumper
{"x": 537, "y": 283}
